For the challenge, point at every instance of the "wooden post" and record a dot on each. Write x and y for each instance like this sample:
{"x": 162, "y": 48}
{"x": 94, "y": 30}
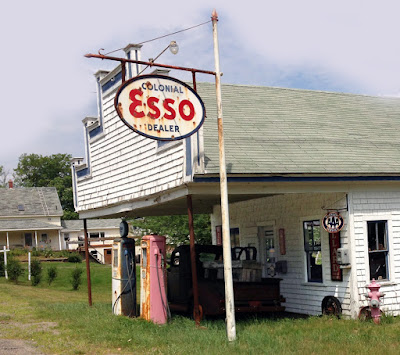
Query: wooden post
{"x": 89, "y": 285}
{"x": 196, "y": 310}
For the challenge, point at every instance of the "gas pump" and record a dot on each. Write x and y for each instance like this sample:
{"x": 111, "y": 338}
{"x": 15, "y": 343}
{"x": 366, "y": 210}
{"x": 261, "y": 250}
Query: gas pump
{"x": 124, "y": 274}
{"x": 153, "y": 298}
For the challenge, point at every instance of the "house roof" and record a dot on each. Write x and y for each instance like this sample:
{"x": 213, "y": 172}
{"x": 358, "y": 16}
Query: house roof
{"x": 286, "y": 131}
{"x": 26, "y": 224}
{"x": 77, "y": 225}
{"x": 29, "y": 201}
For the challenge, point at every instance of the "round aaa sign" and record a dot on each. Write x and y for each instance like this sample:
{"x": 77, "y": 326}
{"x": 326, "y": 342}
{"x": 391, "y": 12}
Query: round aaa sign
{"x": 333, "y": 222}
{"x": 159, "y": 107}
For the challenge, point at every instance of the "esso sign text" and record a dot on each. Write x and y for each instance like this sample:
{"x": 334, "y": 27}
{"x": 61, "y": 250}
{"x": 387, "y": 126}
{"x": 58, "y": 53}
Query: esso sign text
{"x": 185, "y": 108}
{"x": 159, "y": 107}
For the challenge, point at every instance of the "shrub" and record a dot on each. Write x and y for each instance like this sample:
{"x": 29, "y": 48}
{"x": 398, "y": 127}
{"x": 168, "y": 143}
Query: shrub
{"x": 48, "y": 253}
{"x": 36, "y": 272}
{"x": 74, "y": 258}
{"x": 76, "y": 278}
{"x": 17, "y": 252}
{"x": 14, "y": 269}
{"x": 51, "y": 274}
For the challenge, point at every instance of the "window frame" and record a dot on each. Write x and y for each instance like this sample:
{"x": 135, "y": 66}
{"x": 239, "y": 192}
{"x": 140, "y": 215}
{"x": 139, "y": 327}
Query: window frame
{"x": 309, "y": 250}
{"x": 378, "y": 250}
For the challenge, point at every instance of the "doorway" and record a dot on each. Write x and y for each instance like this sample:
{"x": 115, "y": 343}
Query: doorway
{"x": 28, "y": 239}
{"x": 267, "y": 250}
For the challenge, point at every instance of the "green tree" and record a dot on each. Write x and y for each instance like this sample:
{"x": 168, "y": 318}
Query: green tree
{"x": 3, "y": 176}
{"x": 176, "y": 228}
{"x": 35, "y": 170}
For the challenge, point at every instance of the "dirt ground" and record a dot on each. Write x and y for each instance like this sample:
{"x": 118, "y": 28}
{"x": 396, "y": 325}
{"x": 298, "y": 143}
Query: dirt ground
{"x": 17, "y": 347}
{"x": 23, "y": 347}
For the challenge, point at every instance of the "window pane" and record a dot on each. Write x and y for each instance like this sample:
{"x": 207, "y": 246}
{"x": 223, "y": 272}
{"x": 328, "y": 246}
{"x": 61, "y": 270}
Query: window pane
{"x": 377, "y": 265}
{"x": 381, "y": 235}
{"x": 317, "y": 236}
{"x": 371, "y": 236}
{"x": 315, "y": 266}
{"x": 308, "y": 235}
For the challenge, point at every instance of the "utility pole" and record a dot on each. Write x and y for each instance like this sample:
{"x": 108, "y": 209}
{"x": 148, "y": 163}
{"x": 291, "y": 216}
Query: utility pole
{"x": 226, "y": 239}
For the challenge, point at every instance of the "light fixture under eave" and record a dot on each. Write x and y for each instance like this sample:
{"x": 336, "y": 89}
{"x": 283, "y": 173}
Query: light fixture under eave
{"x": 173, "y": 47}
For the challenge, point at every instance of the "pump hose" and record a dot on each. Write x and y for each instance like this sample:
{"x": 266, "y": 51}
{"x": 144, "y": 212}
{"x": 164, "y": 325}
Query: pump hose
{"x": 123, "y": 292}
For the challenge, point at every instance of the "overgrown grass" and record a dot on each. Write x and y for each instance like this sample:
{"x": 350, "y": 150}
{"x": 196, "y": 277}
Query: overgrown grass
{"x": 79, "y": 329}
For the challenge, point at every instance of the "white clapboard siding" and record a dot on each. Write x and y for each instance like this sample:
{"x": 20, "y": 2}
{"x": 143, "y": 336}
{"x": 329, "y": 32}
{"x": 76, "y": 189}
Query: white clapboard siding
{"x": 124, "y": 165}
{"x": 289, "y": 211}
{"x": 378, "y": 205}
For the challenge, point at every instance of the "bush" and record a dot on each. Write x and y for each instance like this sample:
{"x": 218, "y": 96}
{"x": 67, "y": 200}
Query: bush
{"x": 36, "y": 272}
{"x": 51, "y": 274}
{"x": 74, "y": 258}
{"x": 76, "y": 278}
{"x": 14, "y": 269}
{"x": 17, "y": 252}
{"x": 48, "y": 253}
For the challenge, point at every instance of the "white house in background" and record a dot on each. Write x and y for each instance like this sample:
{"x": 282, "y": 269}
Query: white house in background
{"x": 291, "y": 156}
{"x": 30, "y": 217}
{"x": 101, "y": 234}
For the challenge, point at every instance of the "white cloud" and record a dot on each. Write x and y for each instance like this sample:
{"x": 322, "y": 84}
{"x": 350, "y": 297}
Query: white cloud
{"x": 48, "y": 88}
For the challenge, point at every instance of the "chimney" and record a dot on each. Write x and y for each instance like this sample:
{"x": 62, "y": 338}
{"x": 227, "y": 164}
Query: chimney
{"x": 10, "y": 184}
{"x": 132, "y": 51}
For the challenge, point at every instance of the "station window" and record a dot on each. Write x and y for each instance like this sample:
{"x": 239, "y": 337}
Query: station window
{"x": 378, "y": 250}
{"x": 312, "y": 248}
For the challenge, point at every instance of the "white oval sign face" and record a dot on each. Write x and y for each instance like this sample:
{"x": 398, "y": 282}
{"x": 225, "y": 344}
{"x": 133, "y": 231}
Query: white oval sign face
{"x": 159, "y": 107}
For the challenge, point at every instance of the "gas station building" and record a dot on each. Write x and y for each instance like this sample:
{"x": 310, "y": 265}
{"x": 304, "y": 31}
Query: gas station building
{"x": 292, "y": 157}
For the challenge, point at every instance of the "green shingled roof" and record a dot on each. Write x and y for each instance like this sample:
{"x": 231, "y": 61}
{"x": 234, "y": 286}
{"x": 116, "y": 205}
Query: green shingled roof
{"x": 287, "y": 131}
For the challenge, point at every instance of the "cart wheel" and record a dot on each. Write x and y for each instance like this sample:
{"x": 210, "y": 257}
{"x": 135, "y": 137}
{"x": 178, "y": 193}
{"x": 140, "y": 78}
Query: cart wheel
{"x": 364, "y": 314}
{"x": 331, "y": 306}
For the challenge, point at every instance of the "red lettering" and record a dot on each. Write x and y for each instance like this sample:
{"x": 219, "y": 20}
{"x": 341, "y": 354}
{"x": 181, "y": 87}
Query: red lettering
{"x": 151, "y": 104}
{"x": 135, "y": 103}
{"x": 182, "y": 105}
{"x": 172, "y": 113}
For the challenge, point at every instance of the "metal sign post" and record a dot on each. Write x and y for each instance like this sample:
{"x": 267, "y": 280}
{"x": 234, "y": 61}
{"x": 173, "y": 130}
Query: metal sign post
{"x": 226, "y": 240}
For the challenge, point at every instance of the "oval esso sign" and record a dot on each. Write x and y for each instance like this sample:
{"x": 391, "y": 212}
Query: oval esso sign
{"x": 159, "y": 107}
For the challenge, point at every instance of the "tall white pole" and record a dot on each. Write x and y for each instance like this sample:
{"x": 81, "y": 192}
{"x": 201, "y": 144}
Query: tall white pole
{"x": 226, "y": 239}
{"x": 29, "y": 266}
{"x": 5, "y": 263}
{"x": 59, "y": 239}
{"x": 8, "y": 242}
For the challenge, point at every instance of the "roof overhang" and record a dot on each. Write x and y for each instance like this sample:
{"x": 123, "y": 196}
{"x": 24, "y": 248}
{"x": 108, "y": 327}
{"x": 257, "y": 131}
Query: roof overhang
{"x": 205, "y": 192}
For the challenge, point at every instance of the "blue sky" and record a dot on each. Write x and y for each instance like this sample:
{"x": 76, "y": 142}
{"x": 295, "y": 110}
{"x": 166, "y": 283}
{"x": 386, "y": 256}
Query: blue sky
{"x": 48, "y": 85}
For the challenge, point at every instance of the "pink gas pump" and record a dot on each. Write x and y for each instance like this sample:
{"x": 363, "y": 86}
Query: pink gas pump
{"x": 153, "y": 297}
{"x": 374, "y": 295}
